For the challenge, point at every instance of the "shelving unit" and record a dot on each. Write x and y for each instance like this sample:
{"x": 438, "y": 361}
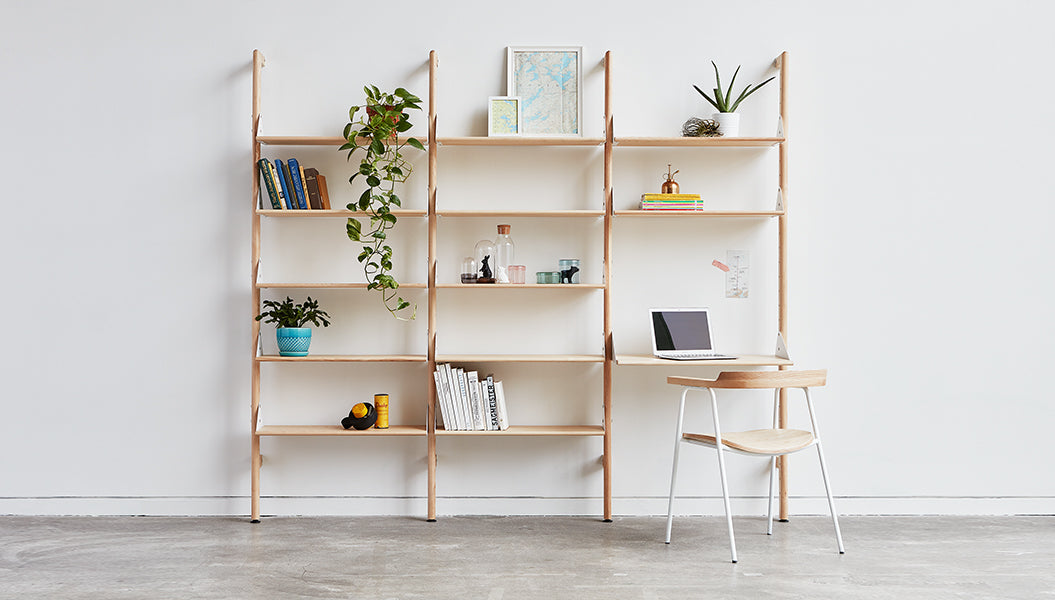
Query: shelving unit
{"x": 433, "y": 214}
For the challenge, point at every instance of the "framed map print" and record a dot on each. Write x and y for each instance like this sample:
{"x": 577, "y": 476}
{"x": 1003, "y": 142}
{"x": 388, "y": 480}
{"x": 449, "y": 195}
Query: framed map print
{"x": 548, "y": 80}
{"x": 503, "y": 115}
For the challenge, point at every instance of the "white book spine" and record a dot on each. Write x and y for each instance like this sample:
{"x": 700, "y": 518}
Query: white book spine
{"x": 439, "y": 399}
{"x": 448, "y": 372}
{"x": 463, "y": 403}
{"x": 472, "y": 384}
{"x": 503, "y": 417}
{"x": 492, "y": 405}
{"x": 452, "y": 416}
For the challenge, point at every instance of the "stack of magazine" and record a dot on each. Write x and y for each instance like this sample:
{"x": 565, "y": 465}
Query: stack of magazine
{"x": 469, "y": 402}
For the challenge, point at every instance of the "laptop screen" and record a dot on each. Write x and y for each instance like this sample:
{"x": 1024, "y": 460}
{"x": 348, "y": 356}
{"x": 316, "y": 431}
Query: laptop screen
{"x": 680, "y": 329}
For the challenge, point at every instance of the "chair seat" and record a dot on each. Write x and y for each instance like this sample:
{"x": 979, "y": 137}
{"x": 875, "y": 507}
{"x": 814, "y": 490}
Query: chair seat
{"x": 758, "y": 441}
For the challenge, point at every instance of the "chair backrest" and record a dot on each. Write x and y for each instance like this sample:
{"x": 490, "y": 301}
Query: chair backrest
{"x": 757, "y": 379}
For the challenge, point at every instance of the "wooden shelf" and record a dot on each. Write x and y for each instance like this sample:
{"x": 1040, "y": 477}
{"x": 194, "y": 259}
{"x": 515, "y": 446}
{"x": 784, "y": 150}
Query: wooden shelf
{"x": 741, "y": 360}
{"x": 653, "y": 214}
{"x": 341, "y": 358}
{"x": 520, "y": 213}
{"x": 520, "y": 286}
{"x": 332, "y": 213}
{"x": 533, "y": 430}
{"x": 697, "y": 142}
{"x": 524, "y": 358}
{"x": 518, "y": 141}
{"x": 327, "y": 286}
{"x": 583, "y": 149}
{"x": 318, "y": 140}
{"x": 337, "y": 430}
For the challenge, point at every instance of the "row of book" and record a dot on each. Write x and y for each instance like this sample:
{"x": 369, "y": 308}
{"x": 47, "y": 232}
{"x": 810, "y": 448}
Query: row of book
{"x": 671, "y": 202}
{"x": 469, "y": 402}
{"x": 290, "y": 186}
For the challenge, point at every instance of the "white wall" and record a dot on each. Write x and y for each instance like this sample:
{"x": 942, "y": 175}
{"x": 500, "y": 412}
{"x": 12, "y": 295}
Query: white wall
{"x": 919, "y": 239}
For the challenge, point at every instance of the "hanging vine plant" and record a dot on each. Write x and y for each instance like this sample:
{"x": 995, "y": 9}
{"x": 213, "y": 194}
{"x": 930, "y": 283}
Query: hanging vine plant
{"x": 374, "y": 132}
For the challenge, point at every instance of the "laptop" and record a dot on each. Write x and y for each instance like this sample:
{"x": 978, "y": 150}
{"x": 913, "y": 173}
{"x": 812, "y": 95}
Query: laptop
{"x": 682, "y": 334}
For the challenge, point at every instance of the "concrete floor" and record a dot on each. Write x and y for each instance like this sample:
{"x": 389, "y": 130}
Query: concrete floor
{"x": 494, "y": 558}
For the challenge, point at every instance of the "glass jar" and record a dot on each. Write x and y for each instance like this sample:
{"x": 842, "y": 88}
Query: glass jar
{"x": 547, "y": 277}
{"x": 517, "y": 273}
{"x": 569, "y": 270}
{"x": 484, "y": 254}
{"x": 468, "y": 270}
{"x": 505, "y": 254}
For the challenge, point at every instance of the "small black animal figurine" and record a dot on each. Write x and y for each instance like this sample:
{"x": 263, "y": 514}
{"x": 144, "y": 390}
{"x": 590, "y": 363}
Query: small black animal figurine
{"x": 565, "y": 275}
{"x": 485, "y": 269}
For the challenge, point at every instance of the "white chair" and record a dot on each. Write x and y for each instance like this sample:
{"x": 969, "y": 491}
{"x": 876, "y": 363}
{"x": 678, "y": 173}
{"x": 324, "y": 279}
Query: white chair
{"x": 771, "y": 442}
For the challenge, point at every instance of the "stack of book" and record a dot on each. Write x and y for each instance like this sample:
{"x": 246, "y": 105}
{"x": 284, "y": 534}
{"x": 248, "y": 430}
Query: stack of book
{"x": 671, "y": 202}
{"x": 469, "y": 402}
{"x": 289, "y": 186}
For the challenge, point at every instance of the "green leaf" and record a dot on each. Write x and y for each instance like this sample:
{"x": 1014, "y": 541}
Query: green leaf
{"x": 373, "y": 181}
{"x": 718, "y": 82}
{"x": 415, "y": 143}
{"x": 729, "y": 93}
{"x": 354, "y": 228}
{"x": 377, "y": 147}
{"x": 389, "y": 218}
{"x": 708, "y": 98}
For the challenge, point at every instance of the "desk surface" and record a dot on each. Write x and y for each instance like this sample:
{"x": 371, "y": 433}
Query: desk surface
{"x": 741, "y": 360}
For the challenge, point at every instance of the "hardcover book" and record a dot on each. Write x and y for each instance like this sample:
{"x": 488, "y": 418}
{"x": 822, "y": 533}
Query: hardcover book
{"x": 269, "y": 184}
{"x": 296, "y": 177}
{"x": 311, "y": 182}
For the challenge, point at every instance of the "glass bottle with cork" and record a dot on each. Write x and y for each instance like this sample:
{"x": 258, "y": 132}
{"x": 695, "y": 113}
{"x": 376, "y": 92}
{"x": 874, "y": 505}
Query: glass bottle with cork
{"x": 505, "y": 254}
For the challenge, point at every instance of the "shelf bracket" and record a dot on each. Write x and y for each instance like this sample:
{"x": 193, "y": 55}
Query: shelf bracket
{"x": 780, "y": 126}
{"x": 780, "y": 200}
{"x": 782, "y": 348}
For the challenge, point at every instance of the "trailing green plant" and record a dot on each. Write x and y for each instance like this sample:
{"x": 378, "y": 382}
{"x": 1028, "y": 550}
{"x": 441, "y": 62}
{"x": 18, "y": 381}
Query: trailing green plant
{"x": 724, "y": 102}
{"x": 375, "y": 132}
{"x": 289, "y": 314}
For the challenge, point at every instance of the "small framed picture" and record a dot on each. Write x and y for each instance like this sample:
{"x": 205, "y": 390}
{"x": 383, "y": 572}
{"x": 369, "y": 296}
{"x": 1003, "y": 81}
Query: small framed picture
{"x": 503, "y": 115}
{"x": 549, "y": 79}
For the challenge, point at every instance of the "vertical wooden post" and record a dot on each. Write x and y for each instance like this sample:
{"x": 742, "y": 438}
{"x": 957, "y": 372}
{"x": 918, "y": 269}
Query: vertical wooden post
{"x": 783, "y": 268}
{"x": 609, "y": 349}
{"x": 430, "y": 412}
{"x": 258, "y": 65}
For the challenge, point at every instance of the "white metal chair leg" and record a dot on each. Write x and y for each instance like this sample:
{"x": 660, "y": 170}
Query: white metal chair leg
{"x": 721, "y": 469}
{"x": 831, "y": 501}
{"x": 674, "y": 467}
{"x": 824, "y": 471}
{"x": 769, "y": 513}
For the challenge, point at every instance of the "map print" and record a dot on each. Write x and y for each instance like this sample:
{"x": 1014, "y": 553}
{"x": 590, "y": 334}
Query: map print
{"x": 547, "y": 83}
{"x": 504, "y": 117}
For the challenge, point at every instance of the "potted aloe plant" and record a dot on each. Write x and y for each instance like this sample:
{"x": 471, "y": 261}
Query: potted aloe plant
{"x": 292, "y": 334}
{"x": 375, "y": 133}
{"x": 727, "y": 117}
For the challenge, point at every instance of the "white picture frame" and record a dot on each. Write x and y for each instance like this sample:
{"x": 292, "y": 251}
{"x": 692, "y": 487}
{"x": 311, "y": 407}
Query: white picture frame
{"x": 548, "y": 79}
{"x": 503, "y": 116}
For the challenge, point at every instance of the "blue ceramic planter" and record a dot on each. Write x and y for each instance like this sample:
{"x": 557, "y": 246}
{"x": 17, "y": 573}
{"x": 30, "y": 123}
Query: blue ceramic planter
{"x": 293, "y": 341}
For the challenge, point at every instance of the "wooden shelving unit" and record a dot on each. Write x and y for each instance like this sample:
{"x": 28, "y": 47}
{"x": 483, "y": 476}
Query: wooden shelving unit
{"x": 433, "y": 213}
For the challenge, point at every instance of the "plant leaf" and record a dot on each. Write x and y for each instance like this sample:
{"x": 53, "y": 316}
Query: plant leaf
{"x": 729, "y": 92}
{"x": 708, "y": 98}
{"x": 413, "y": 142}
{"x": 354, "y": 228}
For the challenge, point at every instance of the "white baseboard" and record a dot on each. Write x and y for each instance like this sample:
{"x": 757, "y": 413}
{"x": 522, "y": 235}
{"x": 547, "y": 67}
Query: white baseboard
{"x": 417, "y": 506}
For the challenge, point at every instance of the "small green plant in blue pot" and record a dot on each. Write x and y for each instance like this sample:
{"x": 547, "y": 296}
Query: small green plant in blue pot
{"x": 291, "y": 319}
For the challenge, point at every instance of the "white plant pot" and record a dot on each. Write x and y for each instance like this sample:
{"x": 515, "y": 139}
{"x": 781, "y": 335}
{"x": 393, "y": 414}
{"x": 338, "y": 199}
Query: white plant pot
{"x": 728, "y": 124}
